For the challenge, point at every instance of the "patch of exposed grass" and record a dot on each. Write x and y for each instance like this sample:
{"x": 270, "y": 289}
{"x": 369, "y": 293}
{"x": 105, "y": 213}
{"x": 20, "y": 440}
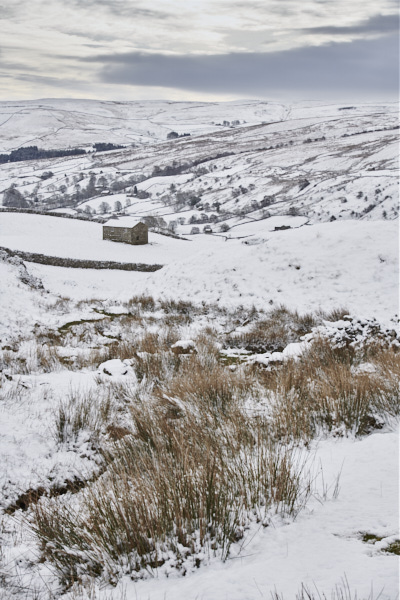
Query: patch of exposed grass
{"x": 189, "y": 478}
{"x": 369, "y": 538}
{"x": 322, "y": 392}
{"x": 275, "y": 331}
{"x": 393, "y": 548}
{"x": 372, "y": 538}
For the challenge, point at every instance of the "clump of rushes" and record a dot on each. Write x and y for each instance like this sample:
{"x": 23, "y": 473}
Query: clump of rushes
{"x": 328, "y": 391}
{"x": 183, "y": 486}
{"x": 81, "y": 413}
{"x": 275, "y": 331}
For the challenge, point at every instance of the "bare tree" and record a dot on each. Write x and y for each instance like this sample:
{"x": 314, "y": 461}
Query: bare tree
{"x": 104, "y": 207}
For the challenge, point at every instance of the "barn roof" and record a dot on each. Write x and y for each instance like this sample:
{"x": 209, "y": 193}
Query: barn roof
{"x": 123, "y": 222}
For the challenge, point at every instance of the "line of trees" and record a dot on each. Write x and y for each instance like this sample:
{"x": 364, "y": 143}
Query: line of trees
{"x": 35, "y": 153}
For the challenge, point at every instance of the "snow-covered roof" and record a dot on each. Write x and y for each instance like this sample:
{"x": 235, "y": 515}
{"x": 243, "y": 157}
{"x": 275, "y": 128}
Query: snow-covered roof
{"x": 123, "y": 222}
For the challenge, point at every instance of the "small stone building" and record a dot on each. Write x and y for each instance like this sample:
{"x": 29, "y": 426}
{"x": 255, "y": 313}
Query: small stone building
{"x": 127, "y": 231}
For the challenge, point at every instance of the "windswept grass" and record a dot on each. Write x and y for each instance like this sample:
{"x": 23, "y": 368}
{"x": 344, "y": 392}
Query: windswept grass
{"x": 327, "y": 391}
{"x": 188, "y": 464}
{"x": 185, "y": 484}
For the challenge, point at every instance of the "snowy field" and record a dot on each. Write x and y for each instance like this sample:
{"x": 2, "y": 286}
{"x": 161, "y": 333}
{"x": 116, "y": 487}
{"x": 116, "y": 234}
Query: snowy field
{"x": 68, "y": 238}
{"x": 351, "y": 264}
{"x": 81, "y": 349}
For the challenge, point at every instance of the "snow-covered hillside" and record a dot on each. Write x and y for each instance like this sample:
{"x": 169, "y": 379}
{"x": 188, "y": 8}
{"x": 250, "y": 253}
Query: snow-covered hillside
{"x": 273, "y": 331}
{"x": 325, "y": 162}
{"x": 59, "y": 123}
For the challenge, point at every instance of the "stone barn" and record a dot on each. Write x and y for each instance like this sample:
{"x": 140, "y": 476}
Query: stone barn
{"x": 127, "y": 231}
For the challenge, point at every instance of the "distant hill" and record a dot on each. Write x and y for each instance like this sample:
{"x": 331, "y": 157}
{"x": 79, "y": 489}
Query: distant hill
{"x": 242, "y": 160}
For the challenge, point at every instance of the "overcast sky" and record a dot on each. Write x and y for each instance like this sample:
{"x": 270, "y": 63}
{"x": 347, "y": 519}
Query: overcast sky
{"x": 199, "y": 49}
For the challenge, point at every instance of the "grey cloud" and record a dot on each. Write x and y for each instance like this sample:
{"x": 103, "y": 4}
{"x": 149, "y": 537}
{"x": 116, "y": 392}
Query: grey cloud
{"x": 249, "y": 39}
{"x": 8, "y": 11}
{"x": 261, "y": 7}
{"x": 122, "y": 8}
{"x": 381, "y": 24}
{"x": 96, "y": 37}
{"x": 14, "y": 66}
{"x": 41, "y": 80}
{"x": 362, "y": 67}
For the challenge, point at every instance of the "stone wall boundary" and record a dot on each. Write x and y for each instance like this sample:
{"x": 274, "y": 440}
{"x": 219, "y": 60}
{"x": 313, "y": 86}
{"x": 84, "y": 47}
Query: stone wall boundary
{"x": 75, "y": 263}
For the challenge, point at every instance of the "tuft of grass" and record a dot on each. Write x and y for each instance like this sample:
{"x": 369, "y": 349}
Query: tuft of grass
{"x": 142, "y": 302}
{"x": 181, "y": 307}
{"x": 324, "y": 392}
{"x": 273, "y": 333}
{"x": 187, "y": 481}
{"x": 336, "y": 314}
{"x": 81, "y": 414}
{"x": 341, "y": 591}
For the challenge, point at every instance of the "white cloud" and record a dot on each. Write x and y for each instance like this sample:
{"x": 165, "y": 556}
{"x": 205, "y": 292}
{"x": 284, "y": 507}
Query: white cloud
{"x": 54, "y": 35}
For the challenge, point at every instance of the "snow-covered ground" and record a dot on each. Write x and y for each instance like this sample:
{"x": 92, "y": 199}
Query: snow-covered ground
{"x": 323, "y": 547}
{"x": 349, "y": 260}
{"x": 356, "y": 491}
{"x": 317, "y": 160}
{"x": 68, "y": 238}
{"x": 351, "y": 264}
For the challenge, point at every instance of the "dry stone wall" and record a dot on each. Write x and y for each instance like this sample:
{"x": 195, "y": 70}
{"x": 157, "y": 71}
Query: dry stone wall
{"x": 75, "y": 263}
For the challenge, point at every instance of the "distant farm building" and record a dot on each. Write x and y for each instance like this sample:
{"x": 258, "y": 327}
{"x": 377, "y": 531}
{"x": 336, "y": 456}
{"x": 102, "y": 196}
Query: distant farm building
{"x": 127, "y": 231}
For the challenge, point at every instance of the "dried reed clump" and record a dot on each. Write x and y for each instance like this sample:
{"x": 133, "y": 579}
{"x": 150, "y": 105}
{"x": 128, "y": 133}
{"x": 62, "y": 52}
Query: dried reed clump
{"x": 206, "y": 382}
{"x": 12, "y": 362}
{"x": 46, "y": 359}
{"x": 274, "y": 332}
{"x": 81, "y": 413}
{"x": 182, "y": 307}
{"x": 327, "y": 390}
{"x": 187, "y": 480}
{"x": 31, "y": 358}
{"x": 143, "y": 302}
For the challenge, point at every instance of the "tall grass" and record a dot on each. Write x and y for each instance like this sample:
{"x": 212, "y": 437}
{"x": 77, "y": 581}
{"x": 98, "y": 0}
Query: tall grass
{"x": 187, "y": 481}
{"x": 274, "y": 331}
{"x": 189, "y": 467}
{"x": 325, "y": 391}
{"x": 81, "y": 412}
